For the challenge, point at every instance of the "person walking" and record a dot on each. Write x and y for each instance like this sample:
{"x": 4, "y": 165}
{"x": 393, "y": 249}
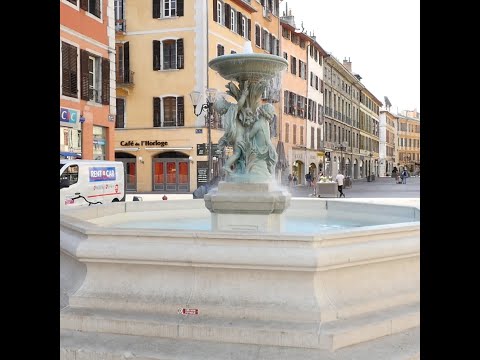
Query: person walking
{"x": 404, "y": 176}
{"x": 339, "y": 179}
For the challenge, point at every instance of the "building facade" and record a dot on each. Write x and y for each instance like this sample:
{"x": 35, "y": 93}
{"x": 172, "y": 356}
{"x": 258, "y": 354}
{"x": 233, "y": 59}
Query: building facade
{"x": 351, "y": 122}
{"x": 408, "y": 143}
{"x": 302, "y": 102}
{"x": 87, "y": 81}
{"x": 163, "y": 48}
{"x": 387, "y": 143}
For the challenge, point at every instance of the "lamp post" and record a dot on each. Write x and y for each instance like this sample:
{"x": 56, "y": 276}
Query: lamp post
{"x": 370, "y": 167}
{"x": 82, "y": 121}
{"x": 342, "y": 147}
{"x": 210, "y": 96}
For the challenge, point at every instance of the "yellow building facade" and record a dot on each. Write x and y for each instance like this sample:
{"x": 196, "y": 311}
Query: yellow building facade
{"x": 408, "y": 143}
{"x": 162, "y": 49}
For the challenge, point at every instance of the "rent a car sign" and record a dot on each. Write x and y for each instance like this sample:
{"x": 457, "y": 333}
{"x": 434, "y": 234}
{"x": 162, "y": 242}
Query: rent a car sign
{"x": 102, "y": 173}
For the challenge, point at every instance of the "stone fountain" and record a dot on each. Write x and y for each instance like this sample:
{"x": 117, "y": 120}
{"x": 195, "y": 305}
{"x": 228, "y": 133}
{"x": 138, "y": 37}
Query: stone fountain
{"x": 249, "y": 200}
{"x": 234, "y": 283}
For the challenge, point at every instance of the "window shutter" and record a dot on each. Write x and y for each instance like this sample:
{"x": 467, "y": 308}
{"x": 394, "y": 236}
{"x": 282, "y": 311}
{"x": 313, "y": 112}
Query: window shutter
{"x": 156, "y": 55}
{"x": 180, "y": 111}
{"x": 156, "y": 9}
{"x": 156, "y": 111}
{"x": 69, "y": 70}
{"x": 249, "y": 29}
{"x": 84, "y": 74}
{"x": 239, "y": 23}
{"x": 215, "y": 11}
{"x": 180, "y": 59}
{"x": 66, "y": 86}
{"x": 126, "y": 62}
{"x": 179, "y": 7}
{"x": 272, "y": 44}
{"x": 277, "y": 42}
{"x": 105, "y": 81}
{"x": 257, "y": 35}
{"x": 227, "y": 15}
{"x": 84, "y": 5}
{"x": 120, "y": 117}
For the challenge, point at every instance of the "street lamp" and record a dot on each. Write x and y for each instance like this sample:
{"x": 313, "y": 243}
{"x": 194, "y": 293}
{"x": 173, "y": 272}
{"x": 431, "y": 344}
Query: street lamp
{"x": 342, "y": 147}
{"x": 210, "y": 95}
{"x": 370, "y": 167}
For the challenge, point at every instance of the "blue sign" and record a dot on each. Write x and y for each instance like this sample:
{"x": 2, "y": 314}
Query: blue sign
{"x": 69, "y": 116}
{"x": 102, "y": 173}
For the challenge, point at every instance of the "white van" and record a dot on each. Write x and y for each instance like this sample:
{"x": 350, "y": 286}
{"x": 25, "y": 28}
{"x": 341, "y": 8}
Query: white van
{"x": 90, "y": 182}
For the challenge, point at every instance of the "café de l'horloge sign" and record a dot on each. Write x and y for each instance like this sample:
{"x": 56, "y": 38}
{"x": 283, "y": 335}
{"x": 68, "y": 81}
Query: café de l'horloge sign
{"x": 144, "y": 143}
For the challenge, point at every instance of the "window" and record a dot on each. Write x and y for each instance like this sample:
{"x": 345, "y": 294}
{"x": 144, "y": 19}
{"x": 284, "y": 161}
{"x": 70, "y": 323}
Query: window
{"x": 285, "y": 56}
{"x": 74, "y": 2}
{"x": 232, "y": 20}
{"x": 167, "y": 8}
{"x": 119, "y": 15}
{"x": 293, "y": 65}
{"x": 70, "y": 175}
{"x": 93, "y": 87}
{"x": 122, "y": 55}
{"x": 69, "y": 70}
{"x": 318, "y": 139}
{"x": 120, "y": 117}
{"x": 301, "y": 135}
{"x": 294, "y": 130}
{"x": 264, "y": 39}
{"x": 92, "y": 6}
{"x": 220, "y": 50}
{"x": 95, "y": 78}
{"x": 168, "y": 111}
{"x": 168, "y": 54}
{"x": 244, "y": 27}
{"x": 233, "y": 52}
{"x": 218, "y": 16}
{"x": 312, "y": 137}
{"x": 99, "y": 143}
{"x": 287, "y": 132}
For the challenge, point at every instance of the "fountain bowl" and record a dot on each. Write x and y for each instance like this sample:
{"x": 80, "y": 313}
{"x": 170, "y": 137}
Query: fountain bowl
{"x": 252, "y": 67}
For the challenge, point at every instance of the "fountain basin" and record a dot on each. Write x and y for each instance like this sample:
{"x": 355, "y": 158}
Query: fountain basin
{"x": 253, "y": 67}
{"x": 297, "y": 289}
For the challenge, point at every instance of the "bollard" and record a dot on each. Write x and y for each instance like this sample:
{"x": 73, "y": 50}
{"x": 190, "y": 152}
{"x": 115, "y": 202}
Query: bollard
{"x": 137, "y": 198}
{"x": 164, "y": 197}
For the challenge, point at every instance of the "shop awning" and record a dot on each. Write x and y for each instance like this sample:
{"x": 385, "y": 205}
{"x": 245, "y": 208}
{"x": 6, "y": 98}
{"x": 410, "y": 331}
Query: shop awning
{"x": 69, "y": 153}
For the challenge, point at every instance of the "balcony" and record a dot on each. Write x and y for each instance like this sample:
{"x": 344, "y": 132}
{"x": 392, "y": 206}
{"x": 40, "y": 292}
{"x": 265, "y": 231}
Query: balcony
{"x": 125, "y": 79}
{"x": 120, "y": 26}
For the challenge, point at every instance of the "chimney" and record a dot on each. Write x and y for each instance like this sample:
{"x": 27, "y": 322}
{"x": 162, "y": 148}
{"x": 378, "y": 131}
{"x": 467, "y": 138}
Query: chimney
{"x": 347, "y": 64}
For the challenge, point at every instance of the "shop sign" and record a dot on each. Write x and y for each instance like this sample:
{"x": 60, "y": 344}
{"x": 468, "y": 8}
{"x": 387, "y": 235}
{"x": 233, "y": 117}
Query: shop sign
{"x": 68, "y": 115}
{"x": 144, "y": 143}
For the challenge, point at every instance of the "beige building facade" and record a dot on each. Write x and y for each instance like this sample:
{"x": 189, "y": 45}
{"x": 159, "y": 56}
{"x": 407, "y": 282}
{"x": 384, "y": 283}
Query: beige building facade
{"x": 387, "y": 140}
{"x": 162, "y": 52}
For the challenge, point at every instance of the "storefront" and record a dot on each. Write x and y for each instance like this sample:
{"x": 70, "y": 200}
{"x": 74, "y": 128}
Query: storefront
{"x": 156, "y": 165}
{"x": 70, "y": 133}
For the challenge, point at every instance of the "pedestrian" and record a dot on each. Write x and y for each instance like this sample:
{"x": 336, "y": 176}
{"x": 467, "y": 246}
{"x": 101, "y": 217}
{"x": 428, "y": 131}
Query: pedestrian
{"x": 339, "y": 179}
{"x": 290, "y": 180}
{"x": 404, "y": 176}
{"x": 295, "y": 180}
{"x": 308, "y": 179}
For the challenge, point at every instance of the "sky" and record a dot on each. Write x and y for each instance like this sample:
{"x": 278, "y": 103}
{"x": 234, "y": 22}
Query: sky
{"x": 381, "y": 38}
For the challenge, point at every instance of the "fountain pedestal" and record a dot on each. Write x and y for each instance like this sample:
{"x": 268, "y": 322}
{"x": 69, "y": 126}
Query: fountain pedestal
{"x": 255, "y": 207}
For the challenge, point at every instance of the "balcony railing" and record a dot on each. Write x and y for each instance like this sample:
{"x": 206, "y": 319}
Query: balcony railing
{"x": 125, "y": 78}
{"x": 120, "y": 25}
